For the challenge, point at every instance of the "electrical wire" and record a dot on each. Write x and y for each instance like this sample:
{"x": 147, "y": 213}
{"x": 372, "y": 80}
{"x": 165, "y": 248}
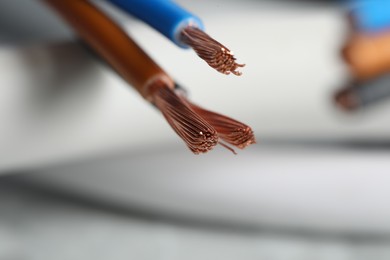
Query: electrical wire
{"x": 184, "y": 29}
{"x": 139, "y": 70}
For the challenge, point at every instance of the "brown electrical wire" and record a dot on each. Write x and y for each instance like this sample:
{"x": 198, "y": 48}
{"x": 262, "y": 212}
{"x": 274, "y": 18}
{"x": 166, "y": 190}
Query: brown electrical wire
{"x": 214, "y": 53}
{"x": 139, "y": 70}
{"x": 113, "y": 44}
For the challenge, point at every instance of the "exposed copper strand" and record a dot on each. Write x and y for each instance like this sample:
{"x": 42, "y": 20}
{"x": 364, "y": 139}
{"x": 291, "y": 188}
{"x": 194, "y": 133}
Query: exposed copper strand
{"x": 227, "y": 147}
{"x": 228, "y": 129}
{"x": 196, "y": 132}
{"x": 214, "y": 53}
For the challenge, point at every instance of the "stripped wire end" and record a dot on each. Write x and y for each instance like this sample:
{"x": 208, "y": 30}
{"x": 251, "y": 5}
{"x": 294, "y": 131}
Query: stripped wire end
{"x": 347, "y": 99}
{"x": 214, "y": 53}
{"x": 228, "y": 129}
{"x": 196, "y": 132}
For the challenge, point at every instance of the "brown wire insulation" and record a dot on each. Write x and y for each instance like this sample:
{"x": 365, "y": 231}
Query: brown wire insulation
{"x": 113, "y": 44}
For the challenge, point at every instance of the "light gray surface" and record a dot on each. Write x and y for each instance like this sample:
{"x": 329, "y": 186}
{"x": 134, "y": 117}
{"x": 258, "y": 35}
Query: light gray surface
{"x": 317, "y": 186}
{"x": 37, "y": 226}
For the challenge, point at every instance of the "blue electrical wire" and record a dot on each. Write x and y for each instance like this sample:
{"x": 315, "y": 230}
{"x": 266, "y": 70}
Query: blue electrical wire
{"x": 163, "y": 15}
{"x": 184, "y": 29}
{"x": 371, "y": 15}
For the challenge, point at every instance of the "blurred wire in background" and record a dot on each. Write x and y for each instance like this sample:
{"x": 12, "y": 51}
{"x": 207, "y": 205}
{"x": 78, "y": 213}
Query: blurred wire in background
{"x": 367, "y": 53}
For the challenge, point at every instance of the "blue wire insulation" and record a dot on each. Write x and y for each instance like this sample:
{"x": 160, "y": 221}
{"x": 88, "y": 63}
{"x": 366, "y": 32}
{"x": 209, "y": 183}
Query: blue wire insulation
{"x": 371, "y": 15}
{"x": 163, "y": 15}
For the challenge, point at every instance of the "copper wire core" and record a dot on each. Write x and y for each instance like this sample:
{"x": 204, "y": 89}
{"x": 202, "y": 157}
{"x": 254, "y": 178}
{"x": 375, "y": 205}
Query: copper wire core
{"x": 214, "y": 53}
{"x": 228, "y": 129}
{"x": 196, "y": 132}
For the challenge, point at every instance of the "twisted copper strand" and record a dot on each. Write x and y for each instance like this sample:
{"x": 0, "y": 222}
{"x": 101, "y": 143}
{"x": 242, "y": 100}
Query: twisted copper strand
{"x": 214, "y": 53}
{"x": 228, "y": 129}
{"x": 196, "y": 132}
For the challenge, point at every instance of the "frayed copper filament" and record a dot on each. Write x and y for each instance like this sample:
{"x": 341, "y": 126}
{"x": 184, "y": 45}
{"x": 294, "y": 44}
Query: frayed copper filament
{"x": 228, "y": 129}
{"x": 196, "y": 132}
{"x": 214, "y": 53}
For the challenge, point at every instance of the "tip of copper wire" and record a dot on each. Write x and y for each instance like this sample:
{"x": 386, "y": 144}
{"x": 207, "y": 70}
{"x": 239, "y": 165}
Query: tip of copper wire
{"x": 197, "y": 133}
{"x": 214, "y": 53}
{"x": 199, "y": 128}
{"x": 346, "y": 99}
{"x": 230, "y": 130}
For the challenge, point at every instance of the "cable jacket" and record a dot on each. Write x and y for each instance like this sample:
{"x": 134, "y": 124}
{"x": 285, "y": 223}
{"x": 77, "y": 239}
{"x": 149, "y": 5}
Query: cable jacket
{"x": 163, "y": 15}
{"x": 113, "y": 44}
